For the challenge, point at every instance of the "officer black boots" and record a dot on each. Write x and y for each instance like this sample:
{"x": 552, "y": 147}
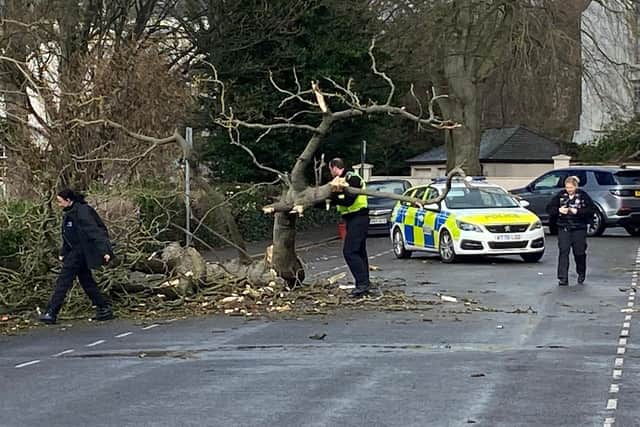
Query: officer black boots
{"x": 104, "y": 313}
{"x": 48, "y": 317}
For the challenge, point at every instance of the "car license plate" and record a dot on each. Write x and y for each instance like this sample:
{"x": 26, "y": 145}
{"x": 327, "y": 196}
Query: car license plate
{"x": 505, "y": 237}
{"x": 378, "y": 221}
{"x": 637, "y": 193}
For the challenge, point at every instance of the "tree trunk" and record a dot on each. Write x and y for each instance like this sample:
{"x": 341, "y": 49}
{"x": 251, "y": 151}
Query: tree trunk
{"x": 285, "y": 261}
{"x": 462, "y": 106}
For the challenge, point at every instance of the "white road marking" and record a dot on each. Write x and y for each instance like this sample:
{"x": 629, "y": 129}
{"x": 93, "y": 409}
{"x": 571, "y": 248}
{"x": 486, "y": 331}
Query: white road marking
{"x": 146, "y": 328}
{"x": 22, "y": 365}
{"x": 93, "y": 344}
{"x": 62, "y": 353}
{"x": 612, "y": 404}
{"x": 126, "y": 334}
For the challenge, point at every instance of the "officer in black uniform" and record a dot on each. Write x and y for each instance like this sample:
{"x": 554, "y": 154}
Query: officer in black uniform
{"x": 355, "y": 212}
{"x": 85, "y": 247}
{"x": 574, "y": 210}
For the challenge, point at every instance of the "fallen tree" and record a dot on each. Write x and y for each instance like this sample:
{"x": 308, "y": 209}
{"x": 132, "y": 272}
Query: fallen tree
{"x": 152, "y": 277}
{"x": 339, "y": 103}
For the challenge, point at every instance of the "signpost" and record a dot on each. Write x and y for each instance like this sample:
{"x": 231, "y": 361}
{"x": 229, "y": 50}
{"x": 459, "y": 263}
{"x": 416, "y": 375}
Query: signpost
{"x": 363, "y": 156}
{"x": 187, "y": 186}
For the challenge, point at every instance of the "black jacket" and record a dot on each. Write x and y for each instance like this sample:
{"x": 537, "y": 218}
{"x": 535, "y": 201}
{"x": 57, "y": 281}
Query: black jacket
{"x": 84, "y": 231}
{"x": 581, "y": 201}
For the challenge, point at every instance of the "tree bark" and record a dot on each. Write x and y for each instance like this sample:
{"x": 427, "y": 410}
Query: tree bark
{"x": 463, "y": 106}
{"x": 285, "y": 260}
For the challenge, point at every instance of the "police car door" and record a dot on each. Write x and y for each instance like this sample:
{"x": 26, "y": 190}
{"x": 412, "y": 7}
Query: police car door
{"x": 430, "y": 214}
{"x": 413, "y": 221}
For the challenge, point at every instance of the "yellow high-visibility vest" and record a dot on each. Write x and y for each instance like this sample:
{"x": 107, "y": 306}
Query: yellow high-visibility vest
{"x": 361, "y": 201}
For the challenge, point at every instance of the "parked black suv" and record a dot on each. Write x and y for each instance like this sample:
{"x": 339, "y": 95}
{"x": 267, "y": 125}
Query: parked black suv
{"x": 614, "y": 190}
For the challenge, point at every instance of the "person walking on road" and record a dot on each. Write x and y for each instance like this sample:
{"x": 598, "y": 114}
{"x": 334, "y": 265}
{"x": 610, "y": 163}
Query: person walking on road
{"x": 85, "y": 246}
{"x": 355, "y": 213}
{"x": 574, "y": 210}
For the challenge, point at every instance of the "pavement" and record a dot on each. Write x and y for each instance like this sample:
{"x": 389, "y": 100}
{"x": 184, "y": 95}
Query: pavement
{"x": 536, "y": 355}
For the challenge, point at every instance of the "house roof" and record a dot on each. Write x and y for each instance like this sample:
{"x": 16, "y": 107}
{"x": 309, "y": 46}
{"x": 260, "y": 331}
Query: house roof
{"x": 514, "y": 144}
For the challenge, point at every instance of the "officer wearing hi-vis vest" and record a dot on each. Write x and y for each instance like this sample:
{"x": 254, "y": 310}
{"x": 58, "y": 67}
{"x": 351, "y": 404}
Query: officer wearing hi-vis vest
{"x": 355, "y": 213}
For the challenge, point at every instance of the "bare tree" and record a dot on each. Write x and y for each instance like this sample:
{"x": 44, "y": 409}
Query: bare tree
{"x": 460, "y": 45}
{"x": 81, "y": 82}
{"x": 320, "y": 110}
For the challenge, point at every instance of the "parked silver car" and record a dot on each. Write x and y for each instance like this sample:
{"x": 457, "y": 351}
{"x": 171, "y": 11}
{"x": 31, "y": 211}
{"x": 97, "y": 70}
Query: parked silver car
{"x": 615, "y": 191}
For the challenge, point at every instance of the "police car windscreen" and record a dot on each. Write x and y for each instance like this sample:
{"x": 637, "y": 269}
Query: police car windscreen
{"x": 479, "y": 198}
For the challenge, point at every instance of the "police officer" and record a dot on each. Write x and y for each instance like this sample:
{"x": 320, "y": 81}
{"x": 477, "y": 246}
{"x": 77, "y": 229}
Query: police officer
{"x": 85, "y": 246}
{"x": 574, "y": 211}
{"x": 355, "y": 213}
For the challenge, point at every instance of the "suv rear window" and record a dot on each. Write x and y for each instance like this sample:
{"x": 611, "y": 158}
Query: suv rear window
{"x": 605, "y": 178}
{"x": 630, "y": 177}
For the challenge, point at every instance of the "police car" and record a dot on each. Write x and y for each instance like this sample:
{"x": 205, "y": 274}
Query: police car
{"x": 476, "y": 218}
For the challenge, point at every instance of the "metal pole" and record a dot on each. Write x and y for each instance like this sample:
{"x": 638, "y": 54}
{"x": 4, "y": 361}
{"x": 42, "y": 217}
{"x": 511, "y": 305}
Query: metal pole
{"x": 187, "y": 187}
{"x": 363, "y": 156}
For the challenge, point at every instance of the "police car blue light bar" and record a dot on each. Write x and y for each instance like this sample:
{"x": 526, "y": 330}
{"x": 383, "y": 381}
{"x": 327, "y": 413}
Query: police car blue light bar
{"x": 458, "y": 178}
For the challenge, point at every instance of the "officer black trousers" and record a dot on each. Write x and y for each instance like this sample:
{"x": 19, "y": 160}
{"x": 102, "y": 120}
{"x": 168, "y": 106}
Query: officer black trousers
{"x": 576, "y": 241}
{"x": 355, "y": 249}
{"x": 74, "y": 266}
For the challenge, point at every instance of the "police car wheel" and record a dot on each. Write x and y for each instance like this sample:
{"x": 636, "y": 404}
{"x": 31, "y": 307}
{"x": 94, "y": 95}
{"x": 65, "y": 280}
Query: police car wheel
{"x": 446, "y": 248}
{"x": 399, "y": 248}
{"x": 535, "y": 257}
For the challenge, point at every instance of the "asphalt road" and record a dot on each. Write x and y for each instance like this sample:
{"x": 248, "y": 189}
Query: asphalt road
{"x": 537, "y": 355}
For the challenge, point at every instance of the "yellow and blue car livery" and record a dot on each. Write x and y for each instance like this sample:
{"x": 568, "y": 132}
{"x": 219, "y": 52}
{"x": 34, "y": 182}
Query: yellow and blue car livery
{"x": 478, "y": 219}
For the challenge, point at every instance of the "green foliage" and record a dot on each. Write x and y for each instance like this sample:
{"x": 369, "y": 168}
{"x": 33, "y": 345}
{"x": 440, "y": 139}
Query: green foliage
{"x": 15, "y": 229}
{"x": 327, "y": 38}
{"x": 620, "y": 143}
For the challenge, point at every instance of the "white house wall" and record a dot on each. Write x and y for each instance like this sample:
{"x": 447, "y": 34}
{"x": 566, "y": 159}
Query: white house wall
{"x": 609, "y": 55}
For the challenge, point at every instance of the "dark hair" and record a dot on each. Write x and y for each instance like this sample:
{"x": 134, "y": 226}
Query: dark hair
{"x": 336, "y": 162}
{"x": 69, "y": 194}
